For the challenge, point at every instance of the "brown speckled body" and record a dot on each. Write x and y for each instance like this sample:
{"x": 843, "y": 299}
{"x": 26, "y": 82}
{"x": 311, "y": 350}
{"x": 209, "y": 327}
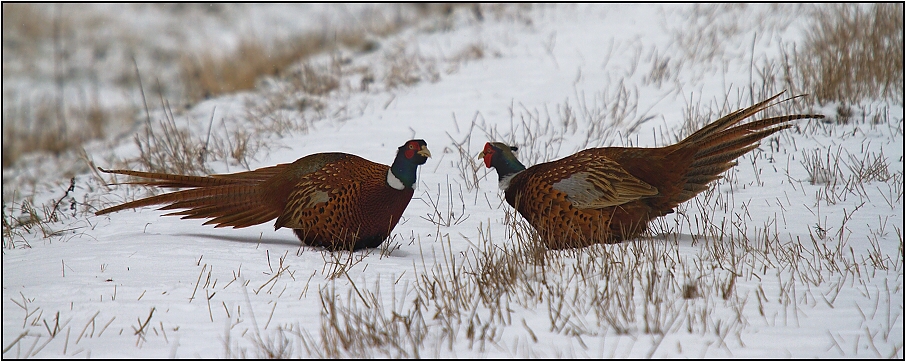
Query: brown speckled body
{"x": 563, "y": 225}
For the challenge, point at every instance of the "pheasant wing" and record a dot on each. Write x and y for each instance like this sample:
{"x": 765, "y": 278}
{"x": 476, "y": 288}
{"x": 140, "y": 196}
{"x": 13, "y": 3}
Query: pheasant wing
{"x": 315, "y": 182}
{"x": 594, "y": 182}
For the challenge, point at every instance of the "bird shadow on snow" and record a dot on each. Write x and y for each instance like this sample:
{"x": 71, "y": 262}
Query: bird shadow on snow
{"x": 288, "y": 242}
{"x": 247, "y": 240}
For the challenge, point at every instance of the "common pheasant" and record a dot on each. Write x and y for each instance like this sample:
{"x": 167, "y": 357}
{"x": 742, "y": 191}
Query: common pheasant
{"x": 334, "y": 200}
{"x": 608, "y": 195}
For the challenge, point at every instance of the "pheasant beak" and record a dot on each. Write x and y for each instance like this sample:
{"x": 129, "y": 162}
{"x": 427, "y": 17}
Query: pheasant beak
{"x": 487, "y": 158}
{"x": 424, "y": 151}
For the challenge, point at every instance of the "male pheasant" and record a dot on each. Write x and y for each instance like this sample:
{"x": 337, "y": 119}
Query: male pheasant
{"x": 608, "y": 195}
{"x": 334, "y": 200}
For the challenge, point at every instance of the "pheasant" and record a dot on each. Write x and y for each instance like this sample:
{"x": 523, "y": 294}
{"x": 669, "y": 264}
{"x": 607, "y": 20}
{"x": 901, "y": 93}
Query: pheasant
{"x": 608, "y": 195}
{"x": 333, "y": 200}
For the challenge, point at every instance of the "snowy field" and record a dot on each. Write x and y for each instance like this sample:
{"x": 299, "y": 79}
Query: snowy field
{"x": 797, "y": 252}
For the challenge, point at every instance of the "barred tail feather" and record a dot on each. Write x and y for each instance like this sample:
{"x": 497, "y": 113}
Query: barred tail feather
{"x": 717, "y": 145}
{"x": 235, "y": 200}
{"x": 727, "y": 121}
{"x": 168, "y": 180}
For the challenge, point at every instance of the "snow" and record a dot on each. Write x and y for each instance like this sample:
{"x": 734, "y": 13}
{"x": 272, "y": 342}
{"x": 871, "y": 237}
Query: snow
{"x": 136, "y": 285}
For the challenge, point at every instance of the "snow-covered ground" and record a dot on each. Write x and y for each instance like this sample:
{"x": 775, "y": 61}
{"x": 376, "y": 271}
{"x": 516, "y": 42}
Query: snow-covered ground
{"x": 766, "y": 264}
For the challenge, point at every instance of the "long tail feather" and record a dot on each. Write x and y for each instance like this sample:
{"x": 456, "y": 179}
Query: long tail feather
{"x": 717, "y": 145}
{"x": 235, "y": 200}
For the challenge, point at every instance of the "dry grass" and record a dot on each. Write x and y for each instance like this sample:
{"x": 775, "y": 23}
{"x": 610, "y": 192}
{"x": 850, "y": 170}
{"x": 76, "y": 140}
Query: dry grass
{"x": 31, "y": 219}
{"x": 42, "y": 46}
{"x": 854, "y": 52}
{"x": 407, "y": 68}
{"x": 47, "y": 124}
{"x": 212, "y": 73}
{"x": 209, "y": 74}
{"x": 297, "y": 98}
{"x": 41, "y": 125}
{"x": 169, "y": 149}
{"x": 703, "y": 41}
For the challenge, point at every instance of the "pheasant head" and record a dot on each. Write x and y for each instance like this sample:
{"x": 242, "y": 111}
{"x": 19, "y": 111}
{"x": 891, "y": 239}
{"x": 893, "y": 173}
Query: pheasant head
{"x": 408, "y": 157}
{"x": 500, "y": 156}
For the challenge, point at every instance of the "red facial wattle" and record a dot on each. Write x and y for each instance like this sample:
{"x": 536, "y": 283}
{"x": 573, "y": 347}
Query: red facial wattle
{"x": 488, "y": 154}
{"x": 410, "y": 150}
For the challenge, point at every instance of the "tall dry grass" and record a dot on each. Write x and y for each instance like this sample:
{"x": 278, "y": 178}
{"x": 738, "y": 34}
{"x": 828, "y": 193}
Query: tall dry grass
{"x": 853, "y": 52}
